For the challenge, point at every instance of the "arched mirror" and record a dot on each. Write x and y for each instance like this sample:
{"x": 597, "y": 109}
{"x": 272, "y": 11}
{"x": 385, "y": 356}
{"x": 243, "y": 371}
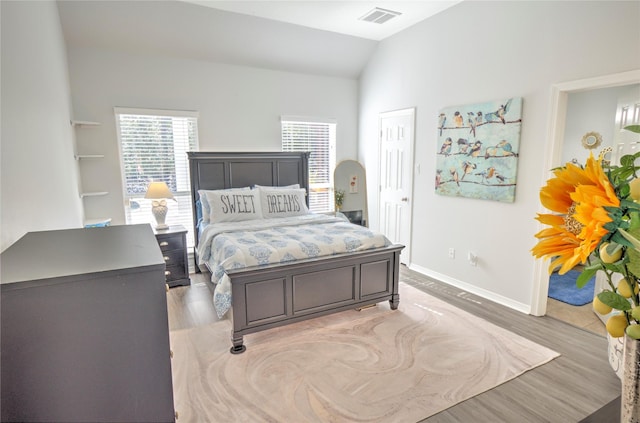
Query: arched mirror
{"x": 350, "y": 189}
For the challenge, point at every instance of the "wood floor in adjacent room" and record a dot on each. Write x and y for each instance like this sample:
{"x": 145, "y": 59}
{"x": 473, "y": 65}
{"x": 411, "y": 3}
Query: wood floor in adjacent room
{"x": 581, "y": 316}
{"x": 566, "y": 389}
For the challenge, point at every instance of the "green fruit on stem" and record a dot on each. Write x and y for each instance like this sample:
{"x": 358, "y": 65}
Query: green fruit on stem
{"x": 600, "y": 307}
{"x": 625, "y": 290}
{"x": 633, "y": 331}
{"x": 609, "y": 258}
{"x": 616, "y": 325}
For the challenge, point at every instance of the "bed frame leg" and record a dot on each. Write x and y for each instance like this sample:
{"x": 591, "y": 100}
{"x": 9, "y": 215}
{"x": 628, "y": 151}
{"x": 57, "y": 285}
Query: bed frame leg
{"x": 394, "y": 302}
{"x": 238, "y": 347}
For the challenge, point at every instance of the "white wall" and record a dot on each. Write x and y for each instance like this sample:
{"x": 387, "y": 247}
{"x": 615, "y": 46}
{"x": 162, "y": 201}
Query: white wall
{"x": 240, "y": 108}
{"x": 476, "y": 52}
{"x": 39, "y": 172}
{"x": 592, "y": 111}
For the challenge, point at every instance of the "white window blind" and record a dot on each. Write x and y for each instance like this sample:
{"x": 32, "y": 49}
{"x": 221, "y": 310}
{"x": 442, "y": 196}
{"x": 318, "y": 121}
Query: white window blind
{"x": 153, "y": 147}
{"x": 318, "y": 137}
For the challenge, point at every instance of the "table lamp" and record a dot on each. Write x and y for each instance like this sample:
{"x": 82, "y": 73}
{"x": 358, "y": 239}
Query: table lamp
{"x": 159, "y": 193}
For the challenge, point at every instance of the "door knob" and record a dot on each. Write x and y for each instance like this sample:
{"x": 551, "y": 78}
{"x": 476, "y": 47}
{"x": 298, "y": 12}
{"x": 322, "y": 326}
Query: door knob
{"x": 405, "y": 199}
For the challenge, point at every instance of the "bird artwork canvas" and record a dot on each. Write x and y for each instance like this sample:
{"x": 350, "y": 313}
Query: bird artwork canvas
{"x": 478, "y": 149}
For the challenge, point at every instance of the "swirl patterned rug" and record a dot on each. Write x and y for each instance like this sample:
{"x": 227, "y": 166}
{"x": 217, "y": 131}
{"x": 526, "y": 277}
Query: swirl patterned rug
{"x": 376, "y": 365}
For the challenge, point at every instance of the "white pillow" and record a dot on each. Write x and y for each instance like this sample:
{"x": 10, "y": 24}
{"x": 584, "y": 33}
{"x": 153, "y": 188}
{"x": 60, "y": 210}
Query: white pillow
{"x": 204, "y": 205}
{"x": 204, "y": 202}
{"x": 234, "y": 205}
{"x": 283, "y": 202}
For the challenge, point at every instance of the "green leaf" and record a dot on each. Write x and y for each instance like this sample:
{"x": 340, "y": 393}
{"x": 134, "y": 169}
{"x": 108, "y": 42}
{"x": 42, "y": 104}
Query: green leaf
{"x": 630, "y": 238}
{"x": 617, "y": 267}
{"x": 617, "y": 237}
{"x": 627, "y": 171}
{"x": 614, "y": 300}
{"x": 626, "y": 161}
{"x": 633, "y": 128}
{"x": 611, "y": 209}
{"x": 610, "y": 226}
{"x": 624, "y": 190}
{"x": 595, "y": 264}
{"x": 585, "y": 277}
{"x": 630, "y": 204}
{"x": 634, "y": 222}
{"x": 634, "y": 262}
{"x": 613, "y": 248}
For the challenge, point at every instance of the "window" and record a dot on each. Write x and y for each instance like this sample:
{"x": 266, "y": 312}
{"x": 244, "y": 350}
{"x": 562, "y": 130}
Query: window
{"x": 317, "y": 136}
{"x": 153, "y": 147}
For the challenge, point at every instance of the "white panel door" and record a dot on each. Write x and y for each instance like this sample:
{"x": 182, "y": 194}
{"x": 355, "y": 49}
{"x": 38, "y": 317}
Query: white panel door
{"x": 626, "y": 142}
{"x": 396, "y": 177}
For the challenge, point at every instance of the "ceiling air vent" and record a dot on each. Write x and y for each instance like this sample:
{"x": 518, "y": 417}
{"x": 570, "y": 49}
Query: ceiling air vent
{"x": 379, "y": 16}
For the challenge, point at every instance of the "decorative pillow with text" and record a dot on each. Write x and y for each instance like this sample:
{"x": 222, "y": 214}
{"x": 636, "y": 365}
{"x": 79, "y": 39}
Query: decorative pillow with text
{"x": 233, "y": 205}
{"x": 283, "y": 202}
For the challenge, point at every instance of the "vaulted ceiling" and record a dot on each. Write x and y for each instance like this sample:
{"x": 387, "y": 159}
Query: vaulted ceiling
{"x": 193, "y": 31}
{"x": 343, "y": 17}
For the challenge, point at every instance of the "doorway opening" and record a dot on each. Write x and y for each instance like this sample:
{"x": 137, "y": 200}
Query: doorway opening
{"x": 555, "y": 157}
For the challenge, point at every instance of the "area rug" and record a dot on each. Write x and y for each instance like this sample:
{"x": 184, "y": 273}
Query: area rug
{"x": 563, "y": 288}
{"x": 375, "y": 365}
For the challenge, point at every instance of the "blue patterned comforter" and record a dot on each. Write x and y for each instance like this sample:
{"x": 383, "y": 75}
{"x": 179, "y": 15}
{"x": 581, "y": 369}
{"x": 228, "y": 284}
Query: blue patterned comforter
{"x": 233, "y": 245}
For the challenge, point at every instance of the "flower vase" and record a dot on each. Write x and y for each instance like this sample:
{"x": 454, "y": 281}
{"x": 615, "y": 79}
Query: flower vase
{"x": 630, "y": 400}
{"x": 616, "y": 353}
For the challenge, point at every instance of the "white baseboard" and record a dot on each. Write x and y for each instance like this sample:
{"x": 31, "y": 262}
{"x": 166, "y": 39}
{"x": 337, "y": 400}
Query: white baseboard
{"x": 492, "y": 296}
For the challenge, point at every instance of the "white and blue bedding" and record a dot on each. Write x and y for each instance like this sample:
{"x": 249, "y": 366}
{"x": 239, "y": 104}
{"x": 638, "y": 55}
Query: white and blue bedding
{"x": 232, "y": 245}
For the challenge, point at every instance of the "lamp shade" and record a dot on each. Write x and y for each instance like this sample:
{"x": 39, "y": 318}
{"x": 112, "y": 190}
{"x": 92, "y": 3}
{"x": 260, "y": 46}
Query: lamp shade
{"x": 157, "y": 190}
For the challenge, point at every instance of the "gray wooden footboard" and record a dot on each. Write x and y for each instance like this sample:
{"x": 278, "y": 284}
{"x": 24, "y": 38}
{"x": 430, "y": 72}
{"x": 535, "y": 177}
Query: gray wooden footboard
{"x": 276, "y": 295}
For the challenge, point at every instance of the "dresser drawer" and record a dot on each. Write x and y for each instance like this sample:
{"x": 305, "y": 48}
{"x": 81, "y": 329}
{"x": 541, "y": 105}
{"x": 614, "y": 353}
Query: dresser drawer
{"x": 173, "y": 273}
{"x": 168, "y": 243}
{"x": 173, "y": 258}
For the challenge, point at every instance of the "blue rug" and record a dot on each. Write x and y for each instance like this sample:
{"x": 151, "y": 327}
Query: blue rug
{"x": 563, "y": 288}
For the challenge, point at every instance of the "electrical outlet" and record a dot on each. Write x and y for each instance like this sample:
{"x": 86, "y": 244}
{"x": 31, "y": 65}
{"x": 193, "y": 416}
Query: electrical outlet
{"x": 452, "y": 253}
{"x": 473, "y": 259}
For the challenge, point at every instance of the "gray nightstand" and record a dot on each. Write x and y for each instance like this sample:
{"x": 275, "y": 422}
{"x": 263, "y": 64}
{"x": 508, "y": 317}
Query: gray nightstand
{"x": 173, "y": 244}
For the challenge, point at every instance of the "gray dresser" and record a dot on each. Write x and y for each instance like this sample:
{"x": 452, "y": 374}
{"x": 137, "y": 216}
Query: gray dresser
{"x": 84, "y": 330}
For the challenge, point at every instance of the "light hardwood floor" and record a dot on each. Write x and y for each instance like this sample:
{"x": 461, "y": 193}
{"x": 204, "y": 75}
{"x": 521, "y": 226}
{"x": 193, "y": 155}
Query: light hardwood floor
{"x": 568, "y": 389}
{"x": 580, "y": 316}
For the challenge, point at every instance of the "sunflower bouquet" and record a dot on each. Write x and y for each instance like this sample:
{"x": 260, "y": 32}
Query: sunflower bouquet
{"x": 596, "y": 223}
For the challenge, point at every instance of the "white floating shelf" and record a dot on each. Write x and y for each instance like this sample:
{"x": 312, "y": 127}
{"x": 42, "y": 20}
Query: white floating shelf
{"x": 89, "y": 156}
{"x": 84, "y": 123}
{"x": 93, "y": 194}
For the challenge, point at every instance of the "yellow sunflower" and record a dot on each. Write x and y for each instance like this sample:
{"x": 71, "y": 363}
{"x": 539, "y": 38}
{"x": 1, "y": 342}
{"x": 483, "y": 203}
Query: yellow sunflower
{"x": 578, "y": 197}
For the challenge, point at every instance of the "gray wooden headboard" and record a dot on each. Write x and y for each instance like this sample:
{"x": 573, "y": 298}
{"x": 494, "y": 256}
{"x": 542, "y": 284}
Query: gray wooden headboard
{"x": 211, "y": 171}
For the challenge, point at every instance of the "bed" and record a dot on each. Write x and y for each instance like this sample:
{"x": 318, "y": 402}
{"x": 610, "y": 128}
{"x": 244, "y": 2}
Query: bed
{"x": 265, "y": 296}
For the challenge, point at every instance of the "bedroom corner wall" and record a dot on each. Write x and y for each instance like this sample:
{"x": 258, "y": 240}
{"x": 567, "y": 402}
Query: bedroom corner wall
{"x": 239, "y": 107}
{"x": 39, "y": 174}
{"x": 475, "y": 52}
